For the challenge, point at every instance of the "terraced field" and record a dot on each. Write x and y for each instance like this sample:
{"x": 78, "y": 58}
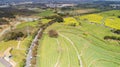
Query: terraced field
{"x": 109, "y": 18}
{"x": 96, "y": 18}
{"x": 79, "y": 46}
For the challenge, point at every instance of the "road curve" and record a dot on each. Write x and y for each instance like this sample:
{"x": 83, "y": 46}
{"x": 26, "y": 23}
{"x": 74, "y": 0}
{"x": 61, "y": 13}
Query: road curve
{"x": 29, "y": 55}
{"x": 35, "y": 40}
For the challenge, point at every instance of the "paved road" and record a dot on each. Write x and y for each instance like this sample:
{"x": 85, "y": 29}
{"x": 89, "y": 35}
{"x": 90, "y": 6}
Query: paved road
{"x": 29, "y": 55}
{"x": 35, "y": 40}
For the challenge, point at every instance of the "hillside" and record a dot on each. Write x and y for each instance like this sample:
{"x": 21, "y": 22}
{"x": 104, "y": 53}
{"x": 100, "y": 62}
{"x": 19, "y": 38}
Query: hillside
{"x": 79, "y": 36}
{"x": 79, "y": 46}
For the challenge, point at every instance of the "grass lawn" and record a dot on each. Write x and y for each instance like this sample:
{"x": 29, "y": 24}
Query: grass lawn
{"x": 115, "y": 13}
{"x": 46, "y": 13}
{"x": 31, "y": 24}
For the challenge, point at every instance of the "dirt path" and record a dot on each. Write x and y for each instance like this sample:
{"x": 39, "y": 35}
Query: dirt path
{"x": 58, "y": 60}
{"x": 60, "y": 54}
{"x": 18, "y": 46}
{"x": 77, "y": 52}
{"x": 92, "y": 62}
{"x": 68, "y": 55}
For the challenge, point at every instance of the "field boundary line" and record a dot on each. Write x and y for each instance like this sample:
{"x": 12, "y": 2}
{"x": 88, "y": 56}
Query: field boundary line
{"x": 92, "y": 62}
{"x": 68, "y": 55}
{"x": 58, "y": 60}
{"x": 79, "y": 56}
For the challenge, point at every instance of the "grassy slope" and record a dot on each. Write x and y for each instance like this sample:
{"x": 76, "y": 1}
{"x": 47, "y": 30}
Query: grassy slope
{"x": 32, "y": 24}
{"x": 44, "y": 21}
{"x": 50, "y": 51}
{"x": 88, "y": 39}
{"x": 46, "y": 55}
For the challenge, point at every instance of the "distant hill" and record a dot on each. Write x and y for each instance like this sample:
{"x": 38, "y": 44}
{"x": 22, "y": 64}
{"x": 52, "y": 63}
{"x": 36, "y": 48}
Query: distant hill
{"x": 10, "y": 1}
{"x": 17, "y": 1}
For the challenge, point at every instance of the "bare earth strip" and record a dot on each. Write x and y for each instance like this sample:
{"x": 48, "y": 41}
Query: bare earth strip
{"x": 79, "y": 56}
{"x": 18, "y": 46}
{"x": 58, "y": 60}
{"x": 68, "y": 55}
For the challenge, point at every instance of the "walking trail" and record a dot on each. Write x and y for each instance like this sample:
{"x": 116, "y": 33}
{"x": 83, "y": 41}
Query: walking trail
{"x": 77, "y": 52}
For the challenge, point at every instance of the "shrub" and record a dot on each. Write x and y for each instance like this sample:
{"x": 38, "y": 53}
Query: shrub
{"x": 111, "y": 38}
{"x": 13, "y": 36}
{"x": 1, "y": 28}
{"x": 56, "y": 18}
{"x": 22, "y": 64}
{"x": 50, "y": 17}
{"x": 33, "y": 62}
{"x": 118, "y": 16}
{"x": 34, "y": 53}
{"x": 53, "y": 33}
{"x": 59, "y": 19}
{"x": 117, "y": 31}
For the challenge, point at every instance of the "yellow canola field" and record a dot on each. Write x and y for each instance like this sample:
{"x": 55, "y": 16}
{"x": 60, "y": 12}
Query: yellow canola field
{"x": 92, "y": 18}
{"x": 113, "y": 22}
{"x": 70, "y": 21}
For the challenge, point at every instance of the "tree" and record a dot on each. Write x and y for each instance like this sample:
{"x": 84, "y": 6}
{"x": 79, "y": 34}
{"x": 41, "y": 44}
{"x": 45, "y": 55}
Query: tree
{"x": 53, "y": 33}
{"x": 115, "y": 31}
{"x": 111, "y": 38}
{"x": 13, "y": 36}
{"x": 2, "y": 21}
{"x": 59, "y": 19}
{"x": 56, "y": 18}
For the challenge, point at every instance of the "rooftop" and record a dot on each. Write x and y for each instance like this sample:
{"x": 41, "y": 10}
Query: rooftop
{"x": 4, "y": 63}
